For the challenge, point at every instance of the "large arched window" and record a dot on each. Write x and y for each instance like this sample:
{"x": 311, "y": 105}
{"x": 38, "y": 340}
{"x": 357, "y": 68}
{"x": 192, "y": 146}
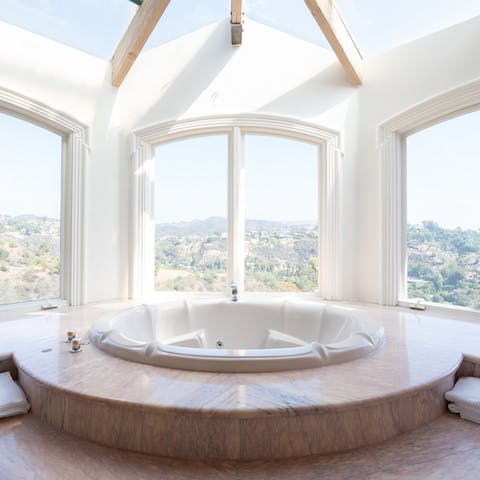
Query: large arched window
{"x": 253, "y": 199}
{"x": 42, "y": 156}
{"x": 443, "y": 218}
{"x": 429, "y": 156}
{"x": 30, "y": 211}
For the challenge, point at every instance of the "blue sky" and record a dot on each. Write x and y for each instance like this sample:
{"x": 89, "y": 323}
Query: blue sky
{"x": 442, "y": 173}
{"x": 30, "y": 158}
{"x": 378, "y": 25}
{"x": 280, "y": 175}
{"x": 191, "y": 179}
{"x": 280, "y": 179}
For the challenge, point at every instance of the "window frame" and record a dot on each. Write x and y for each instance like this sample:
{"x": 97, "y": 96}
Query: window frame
{"x": 75, "y": 152}
{"x": 391, "y": 143}
{"x": 145, "y": 140}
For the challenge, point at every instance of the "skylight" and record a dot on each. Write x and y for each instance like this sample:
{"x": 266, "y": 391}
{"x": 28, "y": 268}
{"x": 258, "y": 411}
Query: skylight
{"x": 93, "y": 26}
{"x": 367, "y": 26}
{"x": 292, "y": 17}
{"x": 380, "y": 25}
{"x": 185, "y": 16}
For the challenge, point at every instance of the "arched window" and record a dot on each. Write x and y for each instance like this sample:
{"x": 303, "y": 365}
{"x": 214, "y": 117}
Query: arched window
{"x": 429, "y": 155}
{"x": 443, "y": 218}
{"x": 42, "y": 155}
{"x": 253, "y": 199}
{"x": 30, "y": 211}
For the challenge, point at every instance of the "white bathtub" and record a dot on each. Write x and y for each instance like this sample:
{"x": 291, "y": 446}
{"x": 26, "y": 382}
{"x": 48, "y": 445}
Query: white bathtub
{"x": 244, "y": 336}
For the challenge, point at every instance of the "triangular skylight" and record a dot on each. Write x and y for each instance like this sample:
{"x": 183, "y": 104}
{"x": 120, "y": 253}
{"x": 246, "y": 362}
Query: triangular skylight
{"x": 92, "y": 26}
{"x": 292, "y": 17}
{"x": 185, "y": 16}
{"x": 380, "y": 25}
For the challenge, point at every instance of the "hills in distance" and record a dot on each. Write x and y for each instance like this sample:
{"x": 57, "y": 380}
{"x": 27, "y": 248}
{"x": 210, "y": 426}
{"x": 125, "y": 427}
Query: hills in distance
{"x": 213, "y": 225}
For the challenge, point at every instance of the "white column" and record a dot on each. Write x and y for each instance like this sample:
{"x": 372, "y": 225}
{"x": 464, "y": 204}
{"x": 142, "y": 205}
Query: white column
{"x": 329, "y": 268}
{"x": 236, "y": 209}
{"x": 142, "y": 261}
{"x": 73, "y": 215}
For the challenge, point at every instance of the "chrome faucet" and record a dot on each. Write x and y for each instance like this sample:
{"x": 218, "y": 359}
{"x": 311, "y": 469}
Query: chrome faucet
{"x": 234, "y": 288}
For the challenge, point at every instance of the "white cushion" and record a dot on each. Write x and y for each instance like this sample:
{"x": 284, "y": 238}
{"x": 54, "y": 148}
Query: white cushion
{"x": 466, "y": 391}
{"x": 12, "y": 398}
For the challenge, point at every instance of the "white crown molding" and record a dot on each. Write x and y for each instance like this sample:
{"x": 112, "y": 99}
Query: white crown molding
{"x": 75, "y": 157}
{"x": 434, "y": 110}
{"x": 143, "y": 142}
{"x": 39, "y": 113}
{"x": 391, "y": 146}
{"x": 257, "y": 123}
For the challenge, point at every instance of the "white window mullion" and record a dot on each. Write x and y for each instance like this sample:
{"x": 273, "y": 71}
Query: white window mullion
{"x": 321, "y": 253}
{"x": 402, "y": 203}
{"x": 329, "y": 268}
{"x": 143, "y": 214}
{"x": 236, "y": 208}
{"x": 391, "y": 210}
{"x": 64, "y": 284}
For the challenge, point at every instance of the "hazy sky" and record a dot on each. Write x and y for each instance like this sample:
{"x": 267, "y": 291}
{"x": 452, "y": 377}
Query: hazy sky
{"x": 191, "y": 179}
{"x": 443, "y": 161}
{"x": 443, "y": 171}
{"x": 280, "y": 179}
{"x": 30, "y": 160}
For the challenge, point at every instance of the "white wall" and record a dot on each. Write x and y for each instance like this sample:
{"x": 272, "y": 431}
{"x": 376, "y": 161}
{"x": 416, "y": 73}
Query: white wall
{"x": 399, "y": 79}
{"x": 202, "y": 74}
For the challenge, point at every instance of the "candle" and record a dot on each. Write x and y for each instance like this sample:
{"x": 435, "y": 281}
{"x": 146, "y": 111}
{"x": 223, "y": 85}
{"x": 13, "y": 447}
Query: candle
{"x": 76, "y": 344}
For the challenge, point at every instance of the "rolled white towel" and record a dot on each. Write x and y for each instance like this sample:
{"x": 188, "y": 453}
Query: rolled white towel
{"x": 465, "y": 398}
{"x": 453, "y": 408}
{"x": 465, "y": 391}
{"x": 12, "y": 398}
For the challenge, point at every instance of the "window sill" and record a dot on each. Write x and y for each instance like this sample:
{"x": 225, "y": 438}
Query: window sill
{"x": 12, "y": 311}
{"x": 162, "y": 296}
{"x": 448, "y": 311}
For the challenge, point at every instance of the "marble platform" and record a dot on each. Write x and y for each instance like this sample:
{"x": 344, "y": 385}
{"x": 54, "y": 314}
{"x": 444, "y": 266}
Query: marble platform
{"x": 446, "y": 449}
{"x": 200, "y": 415}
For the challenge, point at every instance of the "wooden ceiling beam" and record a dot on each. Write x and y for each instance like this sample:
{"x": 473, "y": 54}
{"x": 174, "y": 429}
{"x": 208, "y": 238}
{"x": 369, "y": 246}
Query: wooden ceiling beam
{"x": 237, "y": 22}
{"x": 132, "y": 42}
{"x": 330, "y": 21}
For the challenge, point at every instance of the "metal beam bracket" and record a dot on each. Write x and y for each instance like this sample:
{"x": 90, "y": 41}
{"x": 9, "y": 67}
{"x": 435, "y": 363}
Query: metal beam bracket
{"x": 237, "y": 30}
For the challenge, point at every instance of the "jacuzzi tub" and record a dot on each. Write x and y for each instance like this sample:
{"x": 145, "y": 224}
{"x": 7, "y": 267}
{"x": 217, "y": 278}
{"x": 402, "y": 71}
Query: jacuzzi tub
{"x": 244, "y": 336}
